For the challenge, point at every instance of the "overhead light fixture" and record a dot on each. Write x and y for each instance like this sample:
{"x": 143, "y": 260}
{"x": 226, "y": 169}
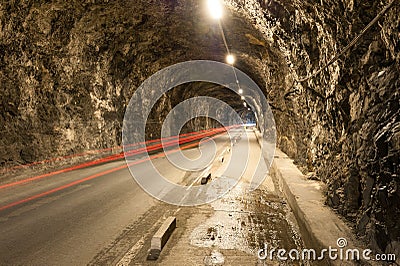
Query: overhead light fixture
{"x": 215, "y": 8}
{"x": 242, "y": 97}
{"x": 240, "y": 91}
{"x": 230, "y": 59}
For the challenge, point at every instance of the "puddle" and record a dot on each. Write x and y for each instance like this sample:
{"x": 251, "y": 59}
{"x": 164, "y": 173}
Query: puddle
{"x": 216, "y": 258}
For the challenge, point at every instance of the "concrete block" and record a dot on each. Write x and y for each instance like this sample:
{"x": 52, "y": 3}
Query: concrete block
{"x": 205, "y": 180}
{"x": 161, "y": 237}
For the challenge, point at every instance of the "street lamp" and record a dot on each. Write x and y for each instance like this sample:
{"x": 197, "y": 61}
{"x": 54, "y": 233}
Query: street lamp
{"x": 215, "y": 8}
{"x": 230, "y": 59}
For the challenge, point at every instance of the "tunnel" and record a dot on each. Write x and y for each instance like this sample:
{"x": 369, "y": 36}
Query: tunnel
{"x": 329, "y": 72}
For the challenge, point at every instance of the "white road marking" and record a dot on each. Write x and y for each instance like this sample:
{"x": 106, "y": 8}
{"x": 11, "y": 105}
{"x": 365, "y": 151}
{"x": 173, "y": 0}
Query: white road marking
{"x": 205, "y": 171}
{"x": 200, "y": 176}
{"x": 131, "y": 254}
{"x": 176, "y": 212}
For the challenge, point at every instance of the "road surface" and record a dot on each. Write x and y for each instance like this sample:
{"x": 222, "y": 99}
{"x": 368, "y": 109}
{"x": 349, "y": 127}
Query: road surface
{"x": 109, "y": 219}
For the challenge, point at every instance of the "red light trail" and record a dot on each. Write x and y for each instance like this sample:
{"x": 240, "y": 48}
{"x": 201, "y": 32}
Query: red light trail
{"x": 74, "y": 183}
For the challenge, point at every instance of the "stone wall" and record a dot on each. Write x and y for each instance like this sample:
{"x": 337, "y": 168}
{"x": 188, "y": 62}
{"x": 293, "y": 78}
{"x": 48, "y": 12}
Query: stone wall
{"x": 343, "y": 124}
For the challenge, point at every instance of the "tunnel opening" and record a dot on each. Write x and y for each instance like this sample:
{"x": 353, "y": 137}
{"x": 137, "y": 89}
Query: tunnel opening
{"x": 206, "y": 122}
{"x": 187, "y": 91}
{"x": 68, "y": 70}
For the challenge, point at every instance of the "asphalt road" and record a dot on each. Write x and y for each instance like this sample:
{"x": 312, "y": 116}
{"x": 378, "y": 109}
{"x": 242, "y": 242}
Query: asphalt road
{"x": 70, "y": 226}
{"x": 101, "y": 216}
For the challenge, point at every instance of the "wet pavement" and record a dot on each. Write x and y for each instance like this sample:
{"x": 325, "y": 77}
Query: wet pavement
{"x": 231, "y": 231}
{"x": 247, "y": 221}
{"x": 228, "y": 231}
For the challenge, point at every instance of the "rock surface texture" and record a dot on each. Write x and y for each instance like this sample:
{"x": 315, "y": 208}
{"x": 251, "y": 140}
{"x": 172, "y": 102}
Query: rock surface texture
{"x": 69, "y": 68}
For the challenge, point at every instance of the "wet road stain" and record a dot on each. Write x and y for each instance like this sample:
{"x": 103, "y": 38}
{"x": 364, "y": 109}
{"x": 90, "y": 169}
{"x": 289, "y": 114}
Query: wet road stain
{"x": 245, "y": 221}
{"x": 229, "y": 231}
{"x": 216, "y": 258}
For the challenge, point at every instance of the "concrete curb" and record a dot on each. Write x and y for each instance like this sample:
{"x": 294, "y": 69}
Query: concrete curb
{"x": 319, "y": 226}
{"x": 161, "y": 237}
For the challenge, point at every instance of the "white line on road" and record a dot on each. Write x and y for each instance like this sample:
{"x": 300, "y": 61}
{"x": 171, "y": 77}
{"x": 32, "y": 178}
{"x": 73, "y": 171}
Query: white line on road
{"x": 198, "y": 178}
{"x": 131, "y": 254}
{"x": 205, "y": 171}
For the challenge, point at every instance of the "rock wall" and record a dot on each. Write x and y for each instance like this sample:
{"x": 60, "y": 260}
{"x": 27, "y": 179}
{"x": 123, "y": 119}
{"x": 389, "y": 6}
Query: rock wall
{"x": 343, "y": 124}
{"x": 69, "y": 68}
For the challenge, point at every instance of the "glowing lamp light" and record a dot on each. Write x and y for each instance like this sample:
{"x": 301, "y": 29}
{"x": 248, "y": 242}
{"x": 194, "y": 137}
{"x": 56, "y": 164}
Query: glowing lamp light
{"x": 230, "y": 59}
{"x": 242, "y": 97}
{"x": 240, "y": 91}
{"x": 215, "y": 8}
{"x": 245, "y": 104}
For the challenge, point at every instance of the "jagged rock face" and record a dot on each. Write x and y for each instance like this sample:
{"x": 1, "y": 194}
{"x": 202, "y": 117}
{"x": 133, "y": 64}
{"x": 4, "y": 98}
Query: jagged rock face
{"x": 344, "y": 123}
{"x": 69, "y": 68}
